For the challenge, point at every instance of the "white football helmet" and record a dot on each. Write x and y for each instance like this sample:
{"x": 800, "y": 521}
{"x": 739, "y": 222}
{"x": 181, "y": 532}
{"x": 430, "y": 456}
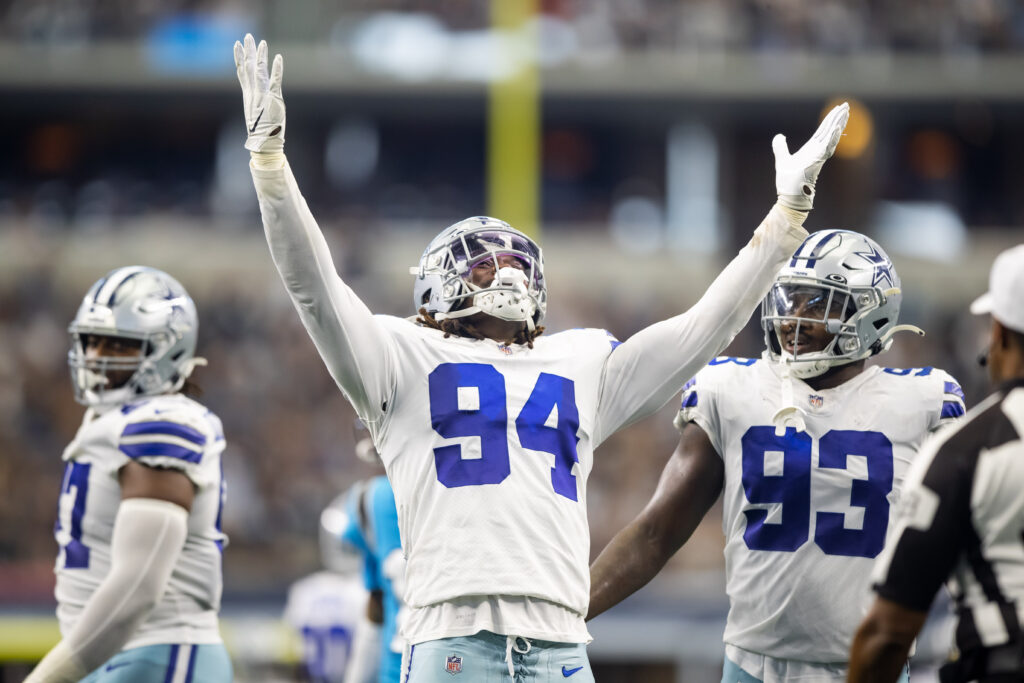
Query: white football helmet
{"x": 142, "y": 304}
{"x": 442, "y": 277}
{"x": 852, "y": 288}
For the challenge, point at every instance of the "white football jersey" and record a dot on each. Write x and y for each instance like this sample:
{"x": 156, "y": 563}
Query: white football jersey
{"x": 805, "y": 513}
{"x": 324, "y": 609}
{"x": 170, "y": 431}
{"x": 488, "y": 447}
{"x": 477, "y": 426}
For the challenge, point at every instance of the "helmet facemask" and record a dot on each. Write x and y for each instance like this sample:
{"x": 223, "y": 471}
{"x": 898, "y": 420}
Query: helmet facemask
{"x": 796, "y": 314}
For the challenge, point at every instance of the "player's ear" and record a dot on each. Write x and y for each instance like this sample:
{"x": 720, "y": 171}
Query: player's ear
{"x": 1000, "y": 335}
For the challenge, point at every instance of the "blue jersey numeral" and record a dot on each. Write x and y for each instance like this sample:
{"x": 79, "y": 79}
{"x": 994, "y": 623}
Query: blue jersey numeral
{"x": 903, "y": 372}
{"x": 745, "y": 362}
{"x": 487, "y": 418}
{"x": 327, "y": 650}
{"x": 553, "y": 393}
{"x": 792, "y": 488}
{"x": 68, "y": 528}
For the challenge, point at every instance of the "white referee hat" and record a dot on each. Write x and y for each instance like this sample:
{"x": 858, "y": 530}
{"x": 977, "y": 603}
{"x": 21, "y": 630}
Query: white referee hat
{"x": 1005, "y": 296}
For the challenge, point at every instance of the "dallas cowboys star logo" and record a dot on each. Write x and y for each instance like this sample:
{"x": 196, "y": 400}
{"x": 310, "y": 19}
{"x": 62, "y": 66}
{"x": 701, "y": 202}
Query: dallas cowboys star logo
{"x": 883, "y": 267}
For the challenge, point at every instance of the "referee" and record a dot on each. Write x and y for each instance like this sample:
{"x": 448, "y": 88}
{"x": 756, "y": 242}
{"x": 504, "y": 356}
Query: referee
{"x": 961, "y": 518}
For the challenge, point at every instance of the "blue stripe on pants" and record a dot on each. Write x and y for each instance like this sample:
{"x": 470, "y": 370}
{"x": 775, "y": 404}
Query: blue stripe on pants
{"x": 171, "y": 664}
{"x": 158, "y": 664}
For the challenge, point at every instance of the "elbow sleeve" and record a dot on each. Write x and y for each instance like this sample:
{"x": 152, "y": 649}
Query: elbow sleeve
{"x": 147, "y": 539}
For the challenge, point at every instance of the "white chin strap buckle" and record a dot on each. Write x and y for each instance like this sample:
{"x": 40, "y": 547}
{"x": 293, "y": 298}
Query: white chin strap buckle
{"x": 790, "y": 416}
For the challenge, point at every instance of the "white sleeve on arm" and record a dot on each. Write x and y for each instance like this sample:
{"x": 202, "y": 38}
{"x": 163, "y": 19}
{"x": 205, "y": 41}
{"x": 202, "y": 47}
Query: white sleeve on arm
{"x": 355, "y": 347}
{"x": 364, "y": 661}
{"x": 147, "y": 539}
{"x": 649, "y": 368}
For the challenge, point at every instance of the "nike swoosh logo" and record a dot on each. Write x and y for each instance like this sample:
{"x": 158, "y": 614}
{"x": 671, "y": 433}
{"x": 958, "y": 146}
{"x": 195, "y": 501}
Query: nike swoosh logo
{"x": 111, "y": 667}
{"x": 256, "y": 122}
{"x": 570, "y": 672}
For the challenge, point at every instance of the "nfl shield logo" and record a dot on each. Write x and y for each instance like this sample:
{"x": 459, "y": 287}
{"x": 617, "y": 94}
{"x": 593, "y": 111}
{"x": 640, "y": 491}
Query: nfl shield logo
{"x": 453, "y": 664}
{"x": 505, "y": 349}
{"x": 815, "y": 400}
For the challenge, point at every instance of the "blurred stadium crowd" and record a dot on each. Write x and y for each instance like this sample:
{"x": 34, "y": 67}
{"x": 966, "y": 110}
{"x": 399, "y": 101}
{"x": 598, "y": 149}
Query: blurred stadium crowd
{"x": 603, "y": 26}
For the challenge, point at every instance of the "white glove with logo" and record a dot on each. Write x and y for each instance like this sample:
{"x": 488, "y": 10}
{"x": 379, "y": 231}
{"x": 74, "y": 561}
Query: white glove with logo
{"x": 795, "y": 174}
{"x": 261, "y": 96}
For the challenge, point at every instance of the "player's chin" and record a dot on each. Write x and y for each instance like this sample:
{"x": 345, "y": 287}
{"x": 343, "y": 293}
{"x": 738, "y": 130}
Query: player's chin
{"x": 481, "y": 318}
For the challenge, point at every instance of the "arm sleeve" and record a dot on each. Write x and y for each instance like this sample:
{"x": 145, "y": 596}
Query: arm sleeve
{"x": 364, "y": 663}
{"x": 646, "y": 371}
{"x": 932, "y": 530}
{"x": 353, "y": 344}
{"x": 147, "y": 539}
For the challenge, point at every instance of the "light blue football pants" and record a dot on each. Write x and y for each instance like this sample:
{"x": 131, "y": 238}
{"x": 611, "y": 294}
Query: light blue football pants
{"x": 166, "y": 664}
{"x": 732, "y": 673}
{"x": 487, "y": 657}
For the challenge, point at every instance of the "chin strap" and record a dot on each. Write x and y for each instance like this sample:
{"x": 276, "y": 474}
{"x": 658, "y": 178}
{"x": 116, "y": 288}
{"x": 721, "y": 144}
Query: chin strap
{"x": 463, "y": 312}
{"x": 789, "y": 415}
{"x": 883, "y": 341}
{"x": 191, "y": 364}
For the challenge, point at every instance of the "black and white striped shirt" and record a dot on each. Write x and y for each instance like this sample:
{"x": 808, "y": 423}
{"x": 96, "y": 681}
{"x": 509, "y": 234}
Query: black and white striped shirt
{"x": 961, "y": 519}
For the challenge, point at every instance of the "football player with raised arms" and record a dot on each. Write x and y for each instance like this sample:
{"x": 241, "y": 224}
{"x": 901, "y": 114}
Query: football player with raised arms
{"x": 486, "y": 428}
{"x": 138, "y": 524}
{"x": 809, "y": 448}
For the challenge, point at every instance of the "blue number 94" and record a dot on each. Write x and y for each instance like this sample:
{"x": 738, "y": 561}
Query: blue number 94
{"x": 484, "y": 415}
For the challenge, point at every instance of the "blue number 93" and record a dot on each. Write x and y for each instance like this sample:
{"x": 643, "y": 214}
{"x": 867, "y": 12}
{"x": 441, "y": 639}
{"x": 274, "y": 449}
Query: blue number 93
{"x": 487, "y": 418}
{"x": 791, "y": 488}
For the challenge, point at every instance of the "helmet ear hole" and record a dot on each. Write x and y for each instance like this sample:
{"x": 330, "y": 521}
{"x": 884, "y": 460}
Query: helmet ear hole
{"x": 425, "y": 297}
{"x": 879, "y": 324}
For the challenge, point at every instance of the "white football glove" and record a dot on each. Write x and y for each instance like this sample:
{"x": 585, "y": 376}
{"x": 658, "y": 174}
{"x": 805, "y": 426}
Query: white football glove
{"x": 795, "y": 174}
{"x": 261, "y": 96}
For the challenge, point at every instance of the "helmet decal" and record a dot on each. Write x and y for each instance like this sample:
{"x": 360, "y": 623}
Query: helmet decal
{"x": 882, "y": 265}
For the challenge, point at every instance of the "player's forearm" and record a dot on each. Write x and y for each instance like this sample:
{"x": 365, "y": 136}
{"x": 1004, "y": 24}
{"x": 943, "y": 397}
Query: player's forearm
{"x": 649, "y": 368}
{"x": 147, "y": 540}
{"x": 876, "y": 657}
{"x": 364, "y": 661}
{"x": 729, "y": 301}
{"x": 349, "y": 339}
{"x": 632, "y": 558}
{"x": 297, "y": 245}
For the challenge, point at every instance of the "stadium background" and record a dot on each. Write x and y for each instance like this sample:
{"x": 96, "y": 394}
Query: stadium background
{"x": 633, "y": 137}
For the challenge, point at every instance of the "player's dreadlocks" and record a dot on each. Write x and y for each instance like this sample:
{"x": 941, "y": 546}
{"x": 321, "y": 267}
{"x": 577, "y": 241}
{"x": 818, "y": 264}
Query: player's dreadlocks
{"x": 464, "y": 328}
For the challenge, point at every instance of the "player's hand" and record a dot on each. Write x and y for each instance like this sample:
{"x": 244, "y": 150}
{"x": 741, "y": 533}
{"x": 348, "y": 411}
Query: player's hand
{"x": 795, "y": 174}
{"x": 261, "y": 95}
